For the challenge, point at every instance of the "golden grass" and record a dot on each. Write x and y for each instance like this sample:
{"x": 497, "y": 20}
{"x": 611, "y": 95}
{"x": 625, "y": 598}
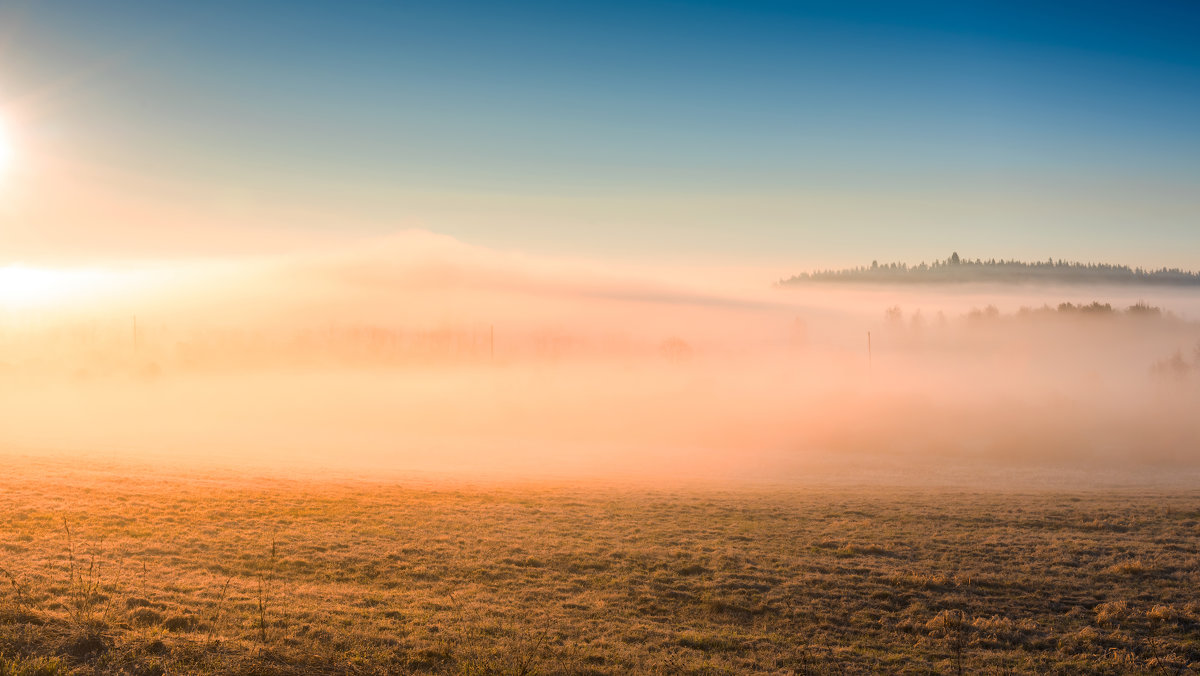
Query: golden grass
{"x": 155, "y": 574}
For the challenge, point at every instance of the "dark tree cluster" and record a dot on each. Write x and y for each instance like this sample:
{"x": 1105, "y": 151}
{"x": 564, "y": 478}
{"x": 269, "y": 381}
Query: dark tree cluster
{"x": 1094, "y": 309}
{"x": 956, "y": 269}
{"x": 1139, "y": 309}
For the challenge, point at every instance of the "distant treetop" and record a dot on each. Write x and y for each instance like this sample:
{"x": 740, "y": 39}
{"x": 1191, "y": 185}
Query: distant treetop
{"x": 955, "y": 269}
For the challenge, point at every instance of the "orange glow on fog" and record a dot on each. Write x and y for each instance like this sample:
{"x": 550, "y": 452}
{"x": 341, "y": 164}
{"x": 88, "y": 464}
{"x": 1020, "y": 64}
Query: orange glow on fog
{"x": 421, "y": 353}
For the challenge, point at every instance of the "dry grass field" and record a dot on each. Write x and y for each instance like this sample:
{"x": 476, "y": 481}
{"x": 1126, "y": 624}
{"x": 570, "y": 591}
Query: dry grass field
{"x": 165, "y": 573}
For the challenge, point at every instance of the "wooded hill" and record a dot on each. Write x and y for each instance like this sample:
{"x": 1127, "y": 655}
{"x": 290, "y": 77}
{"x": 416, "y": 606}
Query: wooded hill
{"x": 956, "y": 270}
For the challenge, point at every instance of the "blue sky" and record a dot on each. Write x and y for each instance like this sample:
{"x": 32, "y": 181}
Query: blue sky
{"x": 824, "y": 133}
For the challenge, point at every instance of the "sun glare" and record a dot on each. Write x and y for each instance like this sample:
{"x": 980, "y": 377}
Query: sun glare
{"x": 22, "y": 286}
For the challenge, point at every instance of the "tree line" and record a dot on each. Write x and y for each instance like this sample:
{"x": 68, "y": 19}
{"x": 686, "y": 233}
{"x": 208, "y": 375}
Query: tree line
{"x": 958, "y": 269}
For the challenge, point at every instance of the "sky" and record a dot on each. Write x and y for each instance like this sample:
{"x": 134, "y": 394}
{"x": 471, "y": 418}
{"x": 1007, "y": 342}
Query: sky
{"x": 785, "y": 135}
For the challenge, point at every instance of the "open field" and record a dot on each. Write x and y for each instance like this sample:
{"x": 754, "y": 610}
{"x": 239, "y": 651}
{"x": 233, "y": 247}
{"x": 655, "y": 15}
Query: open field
{"x": 165, "y": 573}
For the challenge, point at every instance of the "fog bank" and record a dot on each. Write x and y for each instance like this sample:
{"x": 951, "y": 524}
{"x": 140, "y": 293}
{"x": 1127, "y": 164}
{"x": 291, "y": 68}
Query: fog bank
{"x": 418, "y": 353}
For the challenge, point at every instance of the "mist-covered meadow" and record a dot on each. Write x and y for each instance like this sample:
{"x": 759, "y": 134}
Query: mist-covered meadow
{"x": 417, "y": 456}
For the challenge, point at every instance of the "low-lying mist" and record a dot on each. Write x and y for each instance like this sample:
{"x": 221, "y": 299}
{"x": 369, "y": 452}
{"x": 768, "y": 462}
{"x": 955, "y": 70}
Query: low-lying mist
{"x": 421, "y": 354}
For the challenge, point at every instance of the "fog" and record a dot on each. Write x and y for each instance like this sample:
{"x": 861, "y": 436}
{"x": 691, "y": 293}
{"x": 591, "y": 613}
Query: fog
{"x": 419, "y": 354}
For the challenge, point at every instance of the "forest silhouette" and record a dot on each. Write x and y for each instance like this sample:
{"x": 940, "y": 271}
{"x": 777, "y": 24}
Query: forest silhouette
{"x": 956, "y": 269}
